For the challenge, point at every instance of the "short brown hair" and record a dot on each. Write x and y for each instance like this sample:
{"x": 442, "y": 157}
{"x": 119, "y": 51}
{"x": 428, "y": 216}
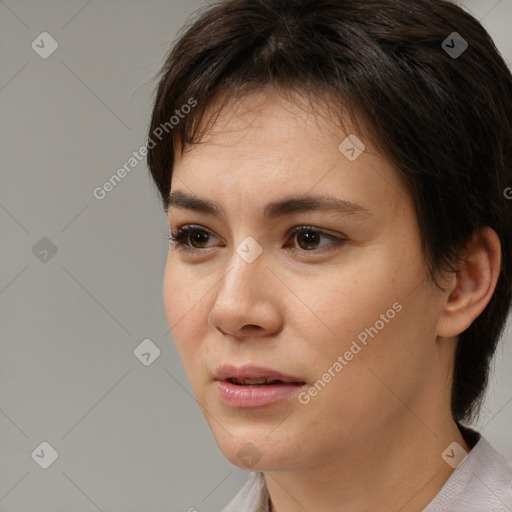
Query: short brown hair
{"x": 443, "y": 120}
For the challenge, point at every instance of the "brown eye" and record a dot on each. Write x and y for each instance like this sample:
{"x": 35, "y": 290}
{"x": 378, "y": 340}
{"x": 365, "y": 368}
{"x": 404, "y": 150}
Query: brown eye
{"x": 308, "y": 239}
{"x": 199, "y": 237}
{"x": 189, "y": 238}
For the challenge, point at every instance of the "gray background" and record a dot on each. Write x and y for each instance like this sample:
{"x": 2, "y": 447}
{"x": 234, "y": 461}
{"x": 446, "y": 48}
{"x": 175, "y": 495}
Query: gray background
{"x": 130, "y": 437}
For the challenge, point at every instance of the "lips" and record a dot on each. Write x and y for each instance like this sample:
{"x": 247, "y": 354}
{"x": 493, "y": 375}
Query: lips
{"x": 254, "y": 375}
{"x": 263, "y": 381}
{"x": 253, "y": 387}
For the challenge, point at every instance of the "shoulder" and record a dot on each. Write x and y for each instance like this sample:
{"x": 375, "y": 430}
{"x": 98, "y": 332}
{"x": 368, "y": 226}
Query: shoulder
{"x": 482, "y": 482}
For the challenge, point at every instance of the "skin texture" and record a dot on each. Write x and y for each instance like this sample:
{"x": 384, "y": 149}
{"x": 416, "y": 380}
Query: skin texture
{"x": 372, "y": 438}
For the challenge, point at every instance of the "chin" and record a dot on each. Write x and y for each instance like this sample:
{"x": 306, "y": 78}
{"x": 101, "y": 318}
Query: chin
{"x": 254, "y": 450}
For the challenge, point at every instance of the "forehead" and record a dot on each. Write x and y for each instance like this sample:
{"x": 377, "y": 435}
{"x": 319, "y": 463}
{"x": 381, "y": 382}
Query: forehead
{"x": 272, "y": 123}
{"x": 264, "y": 146}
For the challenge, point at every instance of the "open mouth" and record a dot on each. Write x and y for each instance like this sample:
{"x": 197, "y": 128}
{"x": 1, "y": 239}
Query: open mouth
{"x": 262, "y": 381}
{"x": 253, "y": 386}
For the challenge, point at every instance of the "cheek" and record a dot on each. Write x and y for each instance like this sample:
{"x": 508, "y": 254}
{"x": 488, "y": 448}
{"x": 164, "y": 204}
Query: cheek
{"x": 367, "y": 320}
{"x": 174, "y": 303}
{"x": 186, "y": 308}
{"x": 182, "y": 292}
{"x": 379, "y": 373}
{"x": 181, "y": 308}
{"x": 359, "y": 393}
{"x": 351, "y": 300}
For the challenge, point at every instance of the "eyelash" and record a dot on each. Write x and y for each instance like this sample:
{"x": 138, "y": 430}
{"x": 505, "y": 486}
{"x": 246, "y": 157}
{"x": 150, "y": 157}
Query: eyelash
{"x": 182, "y": 233}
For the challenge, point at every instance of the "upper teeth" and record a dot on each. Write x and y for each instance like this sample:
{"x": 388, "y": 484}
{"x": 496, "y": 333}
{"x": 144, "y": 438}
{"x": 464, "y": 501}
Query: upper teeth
{"x": 249, "y": 382}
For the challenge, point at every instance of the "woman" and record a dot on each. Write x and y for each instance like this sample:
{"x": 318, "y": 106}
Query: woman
{"x": 339, "y": 274}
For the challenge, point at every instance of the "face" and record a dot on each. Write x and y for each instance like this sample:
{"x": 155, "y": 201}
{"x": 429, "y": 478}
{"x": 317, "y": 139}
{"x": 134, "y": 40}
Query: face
{"x": 339, "y": 310}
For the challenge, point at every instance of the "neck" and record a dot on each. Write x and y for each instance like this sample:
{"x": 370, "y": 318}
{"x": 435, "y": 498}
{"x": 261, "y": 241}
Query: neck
{"x": 401, "y": 470}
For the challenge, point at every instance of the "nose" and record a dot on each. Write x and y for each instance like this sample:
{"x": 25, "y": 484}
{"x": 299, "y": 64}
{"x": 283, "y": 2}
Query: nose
{"x": 247, "y": 300}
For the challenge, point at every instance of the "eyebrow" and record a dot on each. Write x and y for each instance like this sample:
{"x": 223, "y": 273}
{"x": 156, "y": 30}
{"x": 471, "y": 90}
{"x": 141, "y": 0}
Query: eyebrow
{"x": 280, "y": 208}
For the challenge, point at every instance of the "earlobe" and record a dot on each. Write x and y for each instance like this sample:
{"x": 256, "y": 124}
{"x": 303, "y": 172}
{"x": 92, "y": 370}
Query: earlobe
{"x": 473, "y": 284}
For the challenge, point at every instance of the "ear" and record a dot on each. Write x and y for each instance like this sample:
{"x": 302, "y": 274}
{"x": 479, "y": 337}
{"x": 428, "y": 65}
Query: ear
{"x": 472, "y": 287}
